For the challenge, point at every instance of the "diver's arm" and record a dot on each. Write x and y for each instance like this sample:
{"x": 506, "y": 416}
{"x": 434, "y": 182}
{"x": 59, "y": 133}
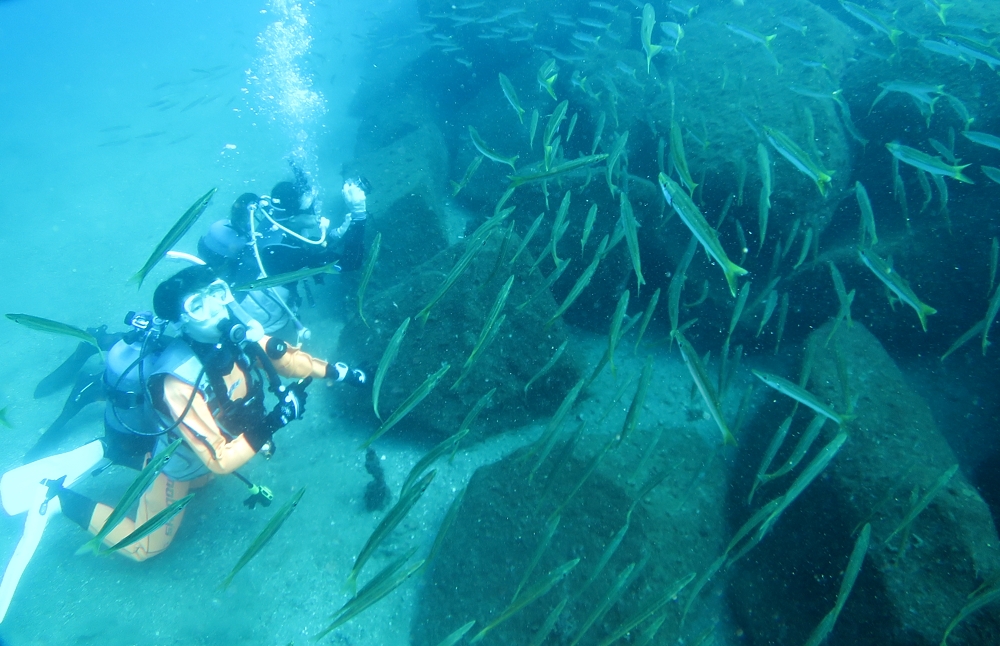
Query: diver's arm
{"x": 201, "y": 432}
{"x": 289, "y": 361}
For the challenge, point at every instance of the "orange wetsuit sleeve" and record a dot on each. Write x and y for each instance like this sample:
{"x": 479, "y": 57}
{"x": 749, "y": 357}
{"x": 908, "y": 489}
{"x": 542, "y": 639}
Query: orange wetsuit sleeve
{"x": 296, "y": 363}
{"x": 220, "y": 454}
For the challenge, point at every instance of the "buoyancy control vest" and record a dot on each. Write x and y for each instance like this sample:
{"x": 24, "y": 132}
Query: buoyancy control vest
{"x": 206, "y": 374}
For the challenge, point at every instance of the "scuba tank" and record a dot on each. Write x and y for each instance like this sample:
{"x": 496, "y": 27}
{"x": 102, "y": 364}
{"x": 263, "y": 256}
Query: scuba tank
{"x": 128, "y": 409}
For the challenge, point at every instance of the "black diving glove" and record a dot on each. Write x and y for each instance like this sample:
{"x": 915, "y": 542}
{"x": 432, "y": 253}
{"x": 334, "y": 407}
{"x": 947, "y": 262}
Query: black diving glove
{"x": 291, "y": 407}
{"x": 342, "y": 373}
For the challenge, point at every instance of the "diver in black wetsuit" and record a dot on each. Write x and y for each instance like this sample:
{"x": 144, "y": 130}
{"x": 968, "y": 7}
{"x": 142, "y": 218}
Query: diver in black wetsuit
{"x": 290, "y": 235}
{"x": 281, "y": 233}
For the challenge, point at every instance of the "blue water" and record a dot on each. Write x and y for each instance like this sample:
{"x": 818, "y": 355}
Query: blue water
{"x": 115, "y": 116}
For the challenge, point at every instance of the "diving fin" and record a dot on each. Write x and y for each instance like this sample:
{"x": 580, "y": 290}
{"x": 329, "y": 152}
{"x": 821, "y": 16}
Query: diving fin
{"x": 38, "y": 517}
{"x": 88, "y": 389}
{"x": 22, "y": 486}
{"x": 66, "y": 372}
{"x": 21, "y": 490}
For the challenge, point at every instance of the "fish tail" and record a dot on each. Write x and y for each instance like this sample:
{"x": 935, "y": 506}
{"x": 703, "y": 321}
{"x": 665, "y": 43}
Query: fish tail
{"x": 923, "y": 311}
{"x": 728, "y": 438}
{"x": 732, "y": 271}
{"x": 893, "y": 35}
{"x": 960, "y": 177}
{"x": 351, "y": 585}
{"x": 93, "y": 545}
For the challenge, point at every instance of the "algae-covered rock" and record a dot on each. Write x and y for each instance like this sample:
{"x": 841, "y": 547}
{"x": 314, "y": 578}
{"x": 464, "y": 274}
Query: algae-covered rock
{"x": 520, "y": 348}
{"x": 911, "y": 586}
{"x": 674, "y": 531}
{"x": 408, "y": 176}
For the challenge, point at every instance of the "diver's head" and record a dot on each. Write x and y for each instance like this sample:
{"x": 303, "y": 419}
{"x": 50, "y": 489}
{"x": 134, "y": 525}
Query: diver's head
{"x": 197, "y": 300}
{"x": 242, "y": 210}
{"x": 293, "y": 206}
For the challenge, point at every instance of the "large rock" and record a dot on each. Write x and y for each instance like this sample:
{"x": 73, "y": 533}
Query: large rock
{"x": 523, "y": 345}
{"x": 406, "y": 204}
{"x": 677, "y": 528}
{"x": 912, "y": 586}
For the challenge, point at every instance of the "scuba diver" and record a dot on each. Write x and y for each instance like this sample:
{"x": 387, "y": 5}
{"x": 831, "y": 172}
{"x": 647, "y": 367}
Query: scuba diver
{"x": 282, "y": 233}
{"x": 206, "y": 386}
{"x": 264, "y": 236}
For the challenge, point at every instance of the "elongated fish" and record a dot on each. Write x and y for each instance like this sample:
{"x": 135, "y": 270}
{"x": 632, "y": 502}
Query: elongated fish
{"x": 265, "y": 535}
{"x": 556, "y": 171}
{"x": 578, "y": 287}
{"x": 367, "y": 275}
{"x": 800, "y": 395}
{"x": 409, "y": 404}
{"x": 925, "y": 162}
{"x": 702, "y": 230}
{"x": 40, "y": 324}
{"x": 616, "y": 152}
{"x": 555, "y": 120}
{"x": 407, "y": 499}
{"x": 547, "y": 75}
{"x": 508, "y": 91}
{"x": 799, "y": 159}
{"x": 983, "y": 139}
{"x": 751, "y": 35}
{"x": 493, "y": 322}
{"x": 456, "y": 187}
{"x": 854, "y": 563}
{"x": 871, "y": 20}
{"x": 704, "y": 384}
{"x": 638, "y": 401}
{"x": 614, "y": 332}
{"x": 287, "y": 277}
{"x": 646, "y": 33}
{"x": 474, "y": 243}
{"x": 678, "y": 158}
{"x": 382, "y": 584}
{"x": 867, "y": 215}
{"x": 897, "y": 284}
{"x": 179, "y": 229}
{"x": 631, "y": 228}
{"x": 527, "y": 237}
{"x": 151, "y": 525}
{"x": 548, "y": 366}
{"x": 647, "y": 316}
{"x": 487, "y": 152}
{"x": 527, "y": 597}
{"x": 388, "y": 356}
{"x": 136, "y": 489}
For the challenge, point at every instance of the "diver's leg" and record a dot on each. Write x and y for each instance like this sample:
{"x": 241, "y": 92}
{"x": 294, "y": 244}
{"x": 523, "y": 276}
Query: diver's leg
{"x": 158, "y": 497}
{"x": 353, "y": 246}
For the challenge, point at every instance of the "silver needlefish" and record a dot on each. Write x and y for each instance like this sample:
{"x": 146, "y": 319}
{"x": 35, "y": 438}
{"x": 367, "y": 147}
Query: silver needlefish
{"x": 702, "y": 230}
{"x": 799, "y": 158}
{"x": 871, "y": 20}
{"x": 704, "y": 384}
{"x": 929, "y": 163}
{"x": 508, "y": 91}
{"x": 896, "y": 284}
{"x": 800, "y": 395}
{"x": 485, "y": 150}
{"x": 646, "y": 33}
{"x": 176, "y": 232}
{"x": 265, "y": 535}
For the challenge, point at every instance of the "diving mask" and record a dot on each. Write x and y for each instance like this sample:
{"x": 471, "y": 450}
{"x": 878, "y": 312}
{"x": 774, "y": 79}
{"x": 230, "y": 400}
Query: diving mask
{"x": 208, "y": 303}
